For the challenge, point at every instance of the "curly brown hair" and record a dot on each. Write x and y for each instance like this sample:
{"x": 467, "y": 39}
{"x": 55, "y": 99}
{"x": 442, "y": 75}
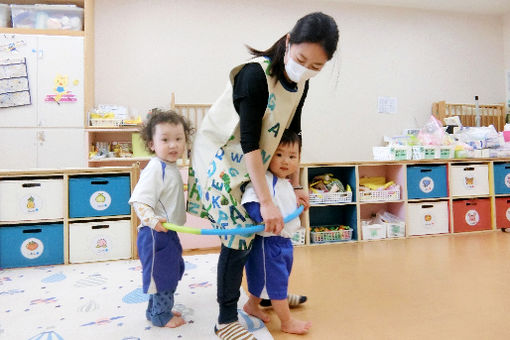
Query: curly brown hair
{"x": 158, "y": 116}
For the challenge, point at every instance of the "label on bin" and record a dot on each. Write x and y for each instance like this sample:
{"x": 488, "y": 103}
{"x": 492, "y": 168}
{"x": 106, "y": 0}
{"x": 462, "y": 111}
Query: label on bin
{"x": 101, "y": 245}
{"x": 32, "y": 248}
{"x": 508, "y": 214}
{"x": 31, "y": 204}
{"x": 469, "y": 182}
{"x": 100, "y": 200}
{"x": 426, "y": 184}
{"x": 472, "y": 217}
{"x": 428, "y": 220}
{"x": 507, "y": 180}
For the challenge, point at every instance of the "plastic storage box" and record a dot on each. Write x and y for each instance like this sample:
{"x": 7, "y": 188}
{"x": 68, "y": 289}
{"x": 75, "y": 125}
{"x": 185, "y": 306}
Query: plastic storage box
{"x": 99, "y": 196}
{"x": 395, "y": 229}
{"x": 40, "y": 16}
{"x": 99, "y": 241}
{"x": 5, "y": 15}
{"x": 471, "y": 215}
{"x": 503, "y": 212}
{"x": 31, "y": 199}
{"x": 472, "y": 179}
{"x": 428, "y": 218}
{"x": 373, "y": 231}
{"x": 31, "y": 245}
{"x": 426, "y": 181}
{"x": 501, "y": 178}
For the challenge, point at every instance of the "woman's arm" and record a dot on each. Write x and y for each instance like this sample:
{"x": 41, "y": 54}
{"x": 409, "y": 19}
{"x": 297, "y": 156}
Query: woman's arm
{"x": 269, "y": 211}
{"x": 301, "y": 195}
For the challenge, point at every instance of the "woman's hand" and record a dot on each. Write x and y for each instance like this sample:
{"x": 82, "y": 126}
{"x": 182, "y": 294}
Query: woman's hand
{"x": 302, "y": 198}
{"x": 272, "y": 218}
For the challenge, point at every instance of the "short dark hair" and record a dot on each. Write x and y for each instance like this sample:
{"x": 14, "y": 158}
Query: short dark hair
{"x": 289, "y": 137}
{"x": 158, "y": 116}
{"x": 315, "y": 27}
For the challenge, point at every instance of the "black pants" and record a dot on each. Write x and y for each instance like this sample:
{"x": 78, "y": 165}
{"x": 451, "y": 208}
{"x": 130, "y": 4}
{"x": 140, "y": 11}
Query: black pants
{"x": 230, "y": 275}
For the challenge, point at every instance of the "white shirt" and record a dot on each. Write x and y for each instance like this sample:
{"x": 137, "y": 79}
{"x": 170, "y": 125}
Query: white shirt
{"x": 160, "y": 187}
{"x": 283, "y": 197}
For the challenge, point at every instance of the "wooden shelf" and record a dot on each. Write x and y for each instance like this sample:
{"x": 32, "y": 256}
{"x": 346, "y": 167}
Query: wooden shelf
{"x": 113, "y": 129}
{"x": 10, "y": 30}
{"x": 24, "y": 222}
{"x": 120, "y": 160}
{"x": 98, "y": 218}
{"x": 410, "y": 210}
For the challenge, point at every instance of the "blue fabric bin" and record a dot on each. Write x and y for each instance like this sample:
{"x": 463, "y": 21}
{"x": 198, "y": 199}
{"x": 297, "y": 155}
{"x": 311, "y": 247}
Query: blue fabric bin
{"x": 31, "y": 245}
{"x": 501, "y": 178}
{"x": 426, "y": 181}
{"x": 99, "y": 196}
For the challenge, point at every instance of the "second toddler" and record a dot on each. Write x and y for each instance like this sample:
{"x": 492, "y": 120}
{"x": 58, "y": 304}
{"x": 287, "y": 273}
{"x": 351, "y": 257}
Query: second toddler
{"x": 270, "y": 262}
{"x": 157, "y": 198}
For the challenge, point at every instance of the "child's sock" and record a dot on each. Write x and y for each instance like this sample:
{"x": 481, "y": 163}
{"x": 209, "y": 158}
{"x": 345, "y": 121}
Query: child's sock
{"x": 233, "y": 331}
{"x": 294, "y": 300}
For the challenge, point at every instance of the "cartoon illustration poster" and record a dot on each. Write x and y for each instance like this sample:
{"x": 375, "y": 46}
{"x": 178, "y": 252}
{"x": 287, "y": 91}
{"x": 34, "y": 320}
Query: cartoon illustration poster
{"x": 61, "y": 92}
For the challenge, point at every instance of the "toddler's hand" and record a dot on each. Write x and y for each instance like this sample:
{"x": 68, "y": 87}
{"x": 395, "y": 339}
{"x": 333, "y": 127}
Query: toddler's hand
{"x": 159, "y": 227}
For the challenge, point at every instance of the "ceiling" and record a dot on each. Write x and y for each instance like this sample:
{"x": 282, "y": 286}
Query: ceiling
{"x": 489, "y": 7}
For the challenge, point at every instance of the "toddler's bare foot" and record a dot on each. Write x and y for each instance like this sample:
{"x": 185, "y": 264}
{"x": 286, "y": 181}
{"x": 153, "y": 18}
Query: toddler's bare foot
{"x": 254, "y": 310}
{"x": 176, "y": 321}
{"x": 296, "y": 326}
{"x": 176, "y": 313}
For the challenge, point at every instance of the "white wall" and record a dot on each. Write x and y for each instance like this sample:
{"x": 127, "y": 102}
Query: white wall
{"x": 147, "y": 49}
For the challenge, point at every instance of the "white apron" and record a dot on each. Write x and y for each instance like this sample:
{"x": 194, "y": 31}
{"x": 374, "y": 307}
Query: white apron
{"x": 218, "y": 171}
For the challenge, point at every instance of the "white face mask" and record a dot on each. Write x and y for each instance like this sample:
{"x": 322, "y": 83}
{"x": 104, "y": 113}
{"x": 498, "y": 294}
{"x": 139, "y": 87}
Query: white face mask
{"x": 297, "y": 72}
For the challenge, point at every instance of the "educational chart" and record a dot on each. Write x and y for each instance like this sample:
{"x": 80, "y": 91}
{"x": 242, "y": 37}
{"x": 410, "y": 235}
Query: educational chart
{"x": 14, "y": 86}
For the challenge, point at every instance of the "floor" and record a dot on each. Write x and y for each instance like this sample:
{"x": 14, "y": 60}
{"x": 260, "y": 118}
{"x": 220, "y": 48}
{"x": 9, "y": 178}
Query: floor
{"x": 438, "y": 287}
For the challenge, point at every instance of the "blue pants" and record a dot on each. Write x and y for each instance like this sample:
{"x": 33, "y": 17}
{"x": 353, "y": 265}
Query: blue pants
{"x": 269, "y": 266}
{"x": 159, "y": 310}
{"x": 161, "y": 257}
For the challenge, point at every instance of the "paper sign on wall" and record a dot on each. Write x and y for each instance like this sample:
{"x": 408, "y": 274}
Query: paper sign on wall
{"x": 14, "y": 86}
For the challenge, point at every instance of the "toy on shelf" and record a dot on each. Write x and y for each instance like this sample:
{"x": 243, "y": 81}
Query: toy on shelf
{"x": 337, "y": 233}
{"x": 113, "y": 116}
{"x": 328, "y": 189}
{"x": 378, "y": 189}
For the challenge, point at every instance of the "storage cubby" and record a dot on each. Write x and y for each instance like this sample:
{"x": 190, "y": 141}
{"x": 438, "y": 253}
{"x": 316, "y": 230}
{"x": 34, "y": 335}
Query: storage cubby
{"x": 382, "y": 230}
{"x": 48, "y": 216}
{"x": 391, "y": 173}
{"x": 471, "y": 215}
{"x": 93, "y": 196}
{"x": 427, "y": 181}
{"x": 434, "y": 197}
{"x": 502, "y": 178}
{"x": 99, "y": 240}
{"x": 502, "y": 212}
{"x": 427, "y": 218}
{"x": 31, "y": 245}
{"x": 334, "y": 216}
{"x": 29, "y": 199}
{"x": 345, "y": 174}
{"x": 468, "y": 179}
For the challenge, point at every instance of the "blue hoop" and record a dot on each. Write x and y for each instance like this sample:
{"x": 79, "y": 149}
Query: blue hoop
{"x": 236, "y": 231}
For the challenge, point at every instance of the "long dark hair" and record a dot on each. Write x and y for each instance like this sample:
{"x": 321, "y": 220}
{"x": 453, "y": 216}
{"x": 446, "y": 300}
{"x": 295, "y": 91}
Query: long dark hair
{"x": 315, "y": 27}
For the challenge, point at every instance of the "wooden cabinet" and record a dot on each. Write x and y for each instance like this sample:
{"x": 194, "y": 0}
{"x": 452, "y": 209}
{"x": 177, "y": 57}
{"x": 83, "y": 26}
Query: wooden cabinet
{"x": 49, "y": 133}
{"x": 435, "y": 197}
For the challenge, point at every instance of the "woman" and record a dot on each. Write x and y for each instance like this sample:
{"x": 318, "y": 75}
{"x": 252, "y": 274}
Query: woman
{"x": 236, "y": 141}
